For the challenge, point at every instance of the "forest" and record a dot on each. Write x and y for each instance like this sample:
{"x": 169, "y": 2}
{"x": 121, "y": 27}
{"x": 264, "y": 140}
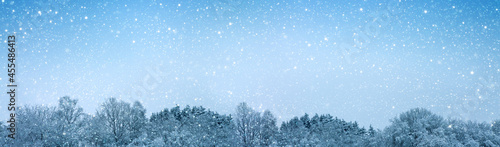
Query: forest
{"x": 119, "y": 123}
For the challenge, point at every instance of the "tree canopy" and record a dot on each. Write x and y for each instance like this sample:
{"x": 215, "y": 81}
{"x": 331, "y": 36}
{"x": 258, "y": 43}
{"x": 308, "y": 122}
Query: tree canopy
{"x": 119, "y": 123}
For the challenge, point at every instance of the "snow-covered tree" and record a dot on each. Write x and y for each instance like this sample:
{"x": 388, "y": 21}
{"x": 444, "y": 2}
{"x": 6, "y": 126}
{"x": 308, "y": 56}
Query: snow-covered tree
{"x": 68, "y": 116}
{"x": 35, "y": 126}
{"x": 191, "y": 127}
{"x": 117, "y": 123}
{"x": 471, "y": 133}
{"x": 295, "y": 133}
{"x": 120, "y": 122}
{"x": 414, "y": 127}
{"x": 137, "y": 121}
{"x": 269, "y": 129}
{"x": 495, "y": 127}
{"x": 248, "y": 125}
{"x": 94, "y": 134}
{"x": 321, "y": 130}
{"x": 3, "y": 135}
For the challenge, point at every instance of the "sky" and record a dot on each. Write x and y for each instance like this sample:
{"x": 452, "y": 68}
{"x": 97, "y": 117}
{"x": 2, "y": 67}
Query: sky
{"x": 364, "y": 61}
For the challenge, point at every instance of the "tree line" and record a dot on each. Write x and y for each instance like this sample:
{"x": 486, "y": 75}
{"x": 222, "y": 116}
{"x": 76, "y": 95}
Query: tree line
{"x": 119, "y": 123}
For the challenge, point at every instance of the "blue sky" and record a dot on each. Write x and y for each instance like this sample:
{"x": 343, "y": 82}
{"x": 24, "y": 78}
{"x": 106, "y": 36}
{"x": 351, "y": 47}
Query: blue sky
{"x": 358, "y": 60}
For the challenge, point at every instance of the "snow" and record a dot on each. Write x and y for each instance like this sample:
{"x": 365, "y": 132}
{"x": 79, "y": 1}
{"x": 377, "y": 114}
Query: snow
{"x": 362, "y": 61}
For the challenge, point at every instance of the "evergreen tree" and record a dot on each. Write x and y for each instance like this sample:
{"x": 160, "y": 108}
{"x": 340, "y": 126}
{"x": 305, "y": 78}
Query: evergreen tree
{"x": 411, "y": 127}
{"x": 495, "y": 127}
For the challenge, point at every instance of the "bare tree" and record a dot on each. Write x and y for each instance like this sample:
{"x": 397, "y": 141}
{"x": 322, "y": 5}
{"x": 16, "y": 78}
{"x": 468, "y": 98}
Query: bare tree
{"x": 68, "y": 114}
{"x": 121, "y": 122}
{"x": 248, "y": 125}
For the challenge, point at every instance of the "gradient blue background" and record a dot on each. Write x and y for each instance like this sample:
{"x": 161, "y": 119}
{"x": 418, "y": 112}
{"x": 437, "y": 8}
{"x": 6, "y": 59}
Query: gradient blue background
{"x": 278, "y": 55}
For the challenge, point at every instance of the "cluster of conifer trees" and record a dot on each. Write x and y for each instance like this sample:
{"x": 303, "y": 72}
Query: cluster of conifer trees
{"x": 118, "y": 123}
